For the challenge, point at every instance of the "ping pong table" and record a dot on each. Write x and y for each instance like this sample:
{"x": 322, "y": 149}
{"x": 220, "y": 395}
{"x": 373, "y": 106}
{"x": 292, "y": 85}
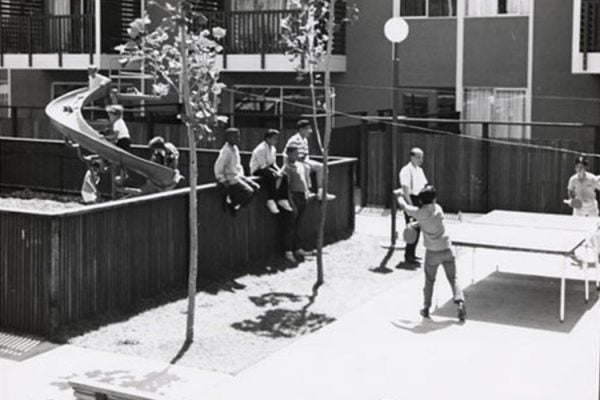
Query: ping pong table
{"x": 551, "y": 234}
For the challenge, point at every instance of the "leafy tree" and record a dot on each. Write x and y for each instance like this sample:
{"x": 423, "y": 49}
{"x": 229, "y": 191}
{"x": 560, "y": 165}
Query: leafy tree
{"x": 308, "y": 36}
{"x": 180, "y": 53}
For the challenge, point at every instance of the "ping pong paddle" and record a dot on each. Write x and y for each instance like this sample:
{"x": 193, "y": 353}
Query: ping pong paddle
{"x": 574, "y": 203}
{"x": 410, "y": 235}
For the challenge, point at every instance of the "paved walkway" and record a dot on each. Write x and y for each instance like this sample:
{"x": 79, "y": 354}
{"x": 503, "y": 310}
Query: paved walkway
{"x": 511, "y": 347}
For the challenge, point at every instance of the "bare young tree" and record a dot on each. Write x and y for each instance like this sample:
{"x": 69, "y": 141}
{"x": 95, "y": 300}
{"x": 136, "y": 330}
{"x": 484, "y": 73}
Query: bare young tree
{"x": 308, "y": 37}
{"x": 181, "y": 56}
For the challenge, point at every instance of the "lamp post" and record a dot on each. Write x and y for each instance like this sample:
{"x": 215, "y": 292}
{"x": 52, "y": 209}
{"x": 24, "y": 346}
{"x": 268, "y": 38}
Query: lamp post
{"x": 396, "y": 31}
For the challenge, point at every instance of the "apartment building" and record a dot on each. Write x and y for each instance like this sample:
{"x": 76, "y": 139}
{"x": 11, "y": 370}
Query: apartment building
{"x": 503, "y": 60}
{"x": 47, "y": 45}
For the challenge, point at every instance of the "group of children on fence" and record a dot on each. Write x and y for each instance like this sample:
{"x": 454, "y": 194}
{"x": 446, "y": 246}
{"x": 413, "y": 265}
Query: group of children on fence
{"x": 288, "y": 188}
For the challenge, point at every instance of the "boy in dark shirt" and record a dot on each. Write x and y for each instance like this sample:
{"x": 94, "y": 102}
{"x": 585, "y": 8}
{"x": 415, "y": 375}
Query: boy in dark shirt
{"x": 299, "y": 194}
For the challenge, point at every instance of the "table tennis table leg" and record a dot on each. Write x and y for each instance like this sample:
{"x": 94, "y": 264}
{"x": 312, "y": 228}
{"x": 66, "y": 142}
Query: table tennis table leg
{"x": 597, "y": 248}
{"x": 562, "y": 289}
{"x": 585, "y": 280}
{"x": 473, "y": 265}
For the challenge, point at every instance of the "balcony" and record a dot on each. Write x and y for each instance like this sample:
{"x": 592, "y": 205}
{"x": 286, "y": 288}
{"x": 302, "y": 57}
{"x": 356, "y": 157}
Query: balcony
{"x": 252, "y": 43}
{"x": 586, "y": 37}
{"x": 46, "y": 40}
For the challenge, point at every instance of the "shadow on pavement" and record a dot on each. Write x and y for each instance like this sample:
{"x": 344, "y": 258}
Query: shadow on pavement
{"x": 284, "y": 322}
{"x": 523, "y": 300}
{"x": 152, "y": 382}
{"x": 382, "y": 268}
{"x": 424, "y": 326}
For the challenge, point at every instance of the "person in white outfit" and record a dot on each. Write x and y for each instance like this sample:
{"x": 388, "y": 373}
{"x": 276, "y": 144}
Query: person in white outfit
{"x": 582, "y": 186}
{"x": 412, "y": 181}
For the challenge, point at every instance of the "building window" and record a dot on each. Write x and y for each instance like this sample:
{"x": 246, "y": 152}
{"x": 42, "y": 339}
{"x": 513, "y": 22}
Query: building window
{"x": 4, "y": 93}
{"x": 428, "y": 8}
{"x": 487, "y": 104}
{"x": 487, "y": 8}
{"x": 271, "y": 106}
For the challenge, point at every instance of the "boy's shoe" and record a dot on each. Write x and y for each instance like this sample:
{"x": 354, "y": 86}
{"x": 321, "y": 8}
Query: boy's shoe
{"x": 290, "y": 257}
{"x": 303, "y": 253}
{"x": 412, "y": 260}
{"x": 272, "y": 206}
{"x": 328, "y": 196}
{"x": 462, "y": 311}
{"x": 227, "y": 199}
{"x": 285, "y": 204}
{"x": 424, "y": 312}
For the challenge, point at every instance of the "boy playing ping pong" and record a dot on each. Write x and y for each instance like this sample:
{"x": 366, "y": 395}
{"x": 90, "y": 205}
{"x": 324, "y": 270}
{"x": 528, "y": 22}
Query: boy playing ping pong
{"x": 430, "y": 218}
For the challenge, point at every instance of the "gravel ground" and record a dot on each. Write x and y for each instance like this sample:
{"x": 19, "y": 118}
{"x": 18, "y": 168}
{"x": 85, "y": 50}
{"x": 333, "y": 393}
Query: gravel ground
{"x": 37, "y": 201}
{"x": 237, "y": 326}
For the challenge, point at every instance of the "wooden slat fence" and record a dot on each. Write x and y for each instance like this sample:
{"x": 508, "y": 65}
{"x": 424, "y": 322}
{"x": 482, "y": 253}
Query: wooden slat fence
{"x": 58, "y": 268}
{"x": 472, "y": 176}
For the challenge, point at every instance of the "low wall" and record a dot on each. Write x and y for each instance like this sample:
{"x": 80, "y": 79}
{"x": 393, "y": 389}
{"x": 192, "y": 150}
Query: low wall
{"x": 58, "y": 268}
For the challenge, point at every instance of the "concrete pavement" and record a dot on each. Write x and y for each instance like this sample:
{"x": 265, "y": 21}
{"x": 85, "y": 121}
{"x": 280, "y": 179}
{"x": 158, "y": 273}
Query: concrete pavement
{"x": 511, "y": 347}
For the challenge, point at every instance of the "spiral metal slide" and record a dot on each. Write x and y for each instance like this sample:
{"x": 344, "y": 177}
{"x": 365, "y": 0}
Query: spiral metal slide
{"x": 65, "y": 114}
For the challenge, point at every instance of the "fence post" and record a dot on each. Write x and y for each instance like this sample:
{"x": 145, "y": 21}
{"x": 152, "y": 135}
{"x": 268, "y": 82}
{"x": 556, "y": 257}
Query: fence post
{"x": 597, "y": 143}
{"x": 30, "y": 40}
{"x": 1, "y": 42}
{"x": 364, "y": 162}
{"x": 485, "y": 166}
{"x": 53, "y": 289}
{"x": 14, "y": 115}
{"x": 150, "y": 124}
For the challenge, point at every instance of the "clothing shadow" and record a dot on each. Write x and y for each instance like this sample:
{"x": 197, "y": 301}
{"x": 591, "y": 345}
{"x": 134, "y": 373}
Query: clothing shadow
{"x": 524, "y": 301}
{"x": 425, "y": 326}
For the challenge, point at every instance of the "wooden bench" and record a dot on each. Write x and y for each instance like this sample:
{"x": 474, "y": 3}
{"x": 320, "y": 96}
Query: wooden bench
{"x": 85, "y": 389}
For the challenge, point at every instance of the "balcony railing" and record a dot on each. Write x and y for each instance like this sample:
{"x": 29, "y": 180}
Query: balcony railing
{"x": 259, "y": 32}
{"x": 589, "y": 36}
{"x": 248, "y": 32}
{"x": 43, "y": 34}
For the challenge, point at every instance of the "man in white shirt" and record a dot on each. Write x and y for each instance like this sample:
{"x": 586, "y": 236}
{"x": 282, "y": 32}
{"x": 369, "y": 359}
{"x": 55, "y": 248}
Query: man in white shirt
{"x": 300, "y": 140}
{"x": 412, "y": 181}
{"x": 229, "y": 172}
{"x": 263, "y": 164}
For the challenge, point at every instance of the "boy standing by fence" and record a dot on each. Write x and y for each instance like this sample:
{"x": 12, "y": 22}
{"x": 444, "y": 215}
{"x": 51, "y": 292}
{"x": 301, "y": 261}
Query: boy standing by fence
{"x": 430, "y": 218}
{"x": 229, "y": 172}
{"x": 300, "y": 141}
{"x": 299, "y": 195}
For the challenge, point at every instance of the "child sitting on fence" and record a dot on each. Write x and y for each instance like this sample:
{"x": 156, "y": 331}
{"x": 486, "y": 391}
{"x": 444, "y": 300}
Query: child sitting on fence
{"x": 263, "y": 164}
{"x": 164, "y": 153}
{"x": 296, "y": 175}
{"x": 229, "y": 172}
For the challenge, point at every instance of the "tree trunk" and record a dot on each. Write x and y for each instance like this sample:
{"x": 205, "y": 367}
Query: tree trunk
{"x": 326, "y": 140}
{"x": 193, "y": 210}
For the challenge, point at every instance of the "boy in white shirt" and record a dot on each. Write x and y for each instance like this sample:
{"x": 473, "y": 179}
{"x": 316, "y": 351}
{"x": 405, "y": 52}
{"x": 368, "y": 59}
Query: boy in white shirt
{"x": 430, "y": 218}
{"x": 300, "y": 140}
{"x": 263, "y": 164}
{"x": 229, "y": 172}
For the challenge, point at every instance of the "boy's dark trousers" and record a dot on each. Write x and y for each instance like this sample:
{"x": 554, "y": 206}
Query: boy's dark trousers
{"x": 270, "y": 183}
{"x": 409, "y": 251}
{"x": 240, "y": 193}
{"x": 292, "y": 220}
